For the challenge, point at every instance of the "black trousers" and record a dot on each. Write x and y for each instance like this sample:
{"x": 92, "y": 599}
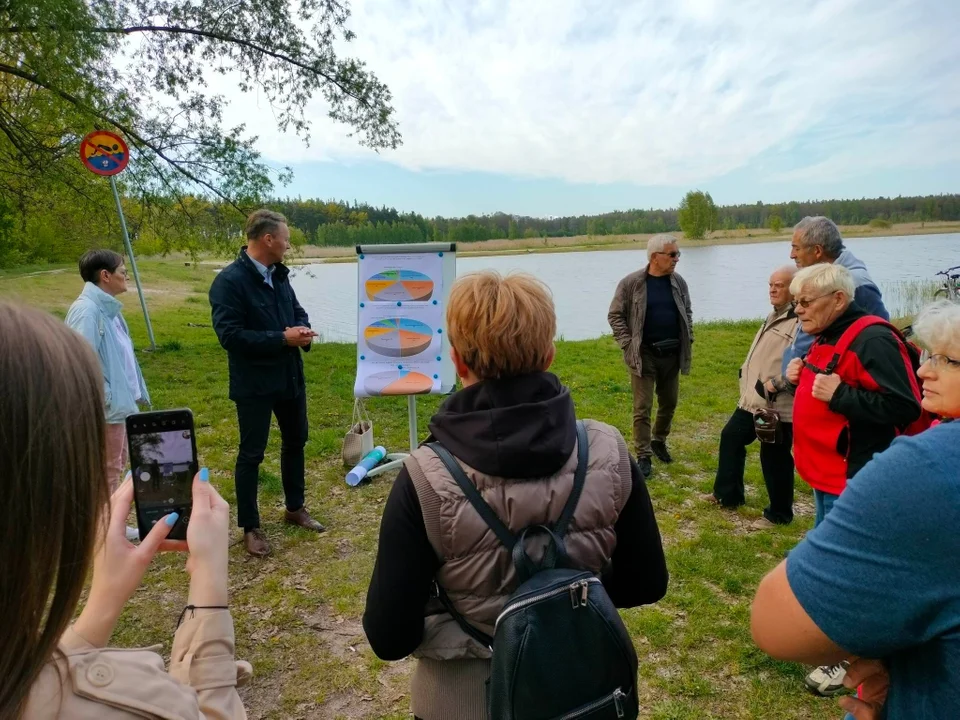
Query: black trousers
{"x": 776, "y": 461}
{"x": 254, "y": 417}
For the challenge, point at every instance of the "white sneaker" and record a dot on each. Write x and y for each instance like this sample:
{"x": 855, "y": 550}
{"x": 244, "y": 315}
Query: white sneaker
{"x": 133, "y": 535}
{"x": 827, "y": 680}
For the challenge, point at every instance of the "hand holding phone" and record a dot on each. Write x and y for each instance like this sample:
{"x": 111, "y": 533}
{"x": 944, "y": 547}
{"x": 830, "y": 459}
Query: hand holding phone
{"x": 163, "y": 461}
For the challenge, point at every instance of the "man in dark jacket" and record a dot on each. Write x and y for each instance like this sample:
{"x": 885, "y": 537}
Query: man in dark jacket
{"x": 263, "y": 329}
{"x": 652, "y": 322}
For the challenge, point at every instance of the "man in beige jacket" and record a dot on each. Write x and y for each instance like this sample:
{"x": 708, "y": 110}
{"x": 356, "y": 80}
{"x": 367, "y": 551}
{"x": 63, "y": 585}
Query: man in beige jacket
{"x": 762, "y": 386}
{"x": 652, "y": 322}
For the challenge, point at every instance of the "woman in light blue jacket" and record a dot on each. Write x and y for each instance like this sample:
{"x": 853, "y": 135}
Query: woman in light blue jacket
{"x": 96, "y": 316}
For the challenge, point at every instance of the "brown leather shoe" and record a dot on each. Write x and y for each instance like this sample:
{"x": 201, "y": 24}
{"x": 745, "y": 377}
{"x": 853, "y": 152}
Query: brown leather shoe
{"x": 256, "y": 543}
{"x": 302, "y": 518}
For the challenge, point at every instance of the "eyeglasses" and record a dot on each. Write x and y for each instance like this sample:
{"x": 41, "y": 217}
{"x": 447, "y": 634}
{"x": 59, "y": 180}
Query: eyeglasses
{"x": 938, "y": 362}
{"x": 807, "y": 303}
{"x": 674, "y": 254}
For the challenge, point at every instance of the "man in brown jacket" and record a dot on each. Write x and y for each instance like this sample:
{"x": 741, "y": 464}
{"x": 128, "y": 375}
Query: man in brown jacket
{"x": 652, "y": 323}
{"x": 513, "y": 430}
{"x": 762, "y": 386}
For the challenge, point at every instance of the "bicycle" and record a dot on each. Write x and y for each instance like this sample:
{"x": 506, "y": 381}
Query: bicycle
{"x": 951, "y": 285}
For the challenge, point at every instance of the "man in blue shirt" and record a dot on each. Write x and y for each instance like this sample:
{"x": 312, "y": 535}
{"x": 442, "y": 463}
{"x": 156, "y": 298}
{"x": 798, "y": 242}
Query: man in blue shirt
{"x": 818, "y": 240}
{"x": 880, "y": 578}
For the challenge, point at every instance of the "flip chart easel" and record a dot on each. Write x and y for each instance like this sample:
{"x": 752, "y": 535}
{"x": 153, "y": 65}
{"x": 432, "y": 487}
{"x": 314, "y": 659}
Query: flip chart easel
{"x": 416, "y": 278}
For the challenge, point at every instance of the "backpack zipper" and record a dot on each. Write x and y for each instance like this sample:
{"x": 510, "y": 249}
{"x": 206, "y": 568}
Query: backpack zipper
{"x": 617, "y": 698}
{"x": 580, "y": 585}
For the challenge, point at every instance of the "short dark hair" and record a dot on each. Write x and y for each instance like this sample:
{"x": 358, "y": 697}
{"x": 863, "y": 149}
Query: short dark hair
{"x": 262, "y": 222}
{"x": 93, "y": 261}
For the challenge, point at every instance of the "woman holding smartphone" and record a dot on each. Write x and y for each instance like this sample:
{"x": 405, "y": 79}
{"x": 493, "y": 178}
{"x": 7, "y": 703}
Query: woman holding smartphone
{"x": 59, "y": 522}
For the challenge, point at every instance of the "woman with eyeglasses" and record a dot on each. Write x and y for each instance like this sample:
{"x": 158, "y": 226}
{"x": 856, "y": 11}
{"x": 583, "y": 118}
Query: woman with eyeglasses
{"x": 855, "y": 390}
{"x": 878, "y": 581}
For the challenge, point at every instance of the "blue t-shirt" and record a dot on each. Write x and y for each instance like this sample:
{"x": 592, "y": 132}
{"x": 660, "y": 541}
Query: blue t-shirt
{"x": 881, "y": 575}
{"x": 662, "y": 321}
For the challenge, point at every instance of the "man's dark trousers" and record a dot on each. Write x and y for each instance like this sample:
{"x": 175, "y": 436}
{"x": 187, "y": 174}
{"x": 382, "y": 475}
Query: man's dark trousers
{"x": 776, "y": 461}
{"x": 254, "y": 416}
{"x": 659, "y": 374}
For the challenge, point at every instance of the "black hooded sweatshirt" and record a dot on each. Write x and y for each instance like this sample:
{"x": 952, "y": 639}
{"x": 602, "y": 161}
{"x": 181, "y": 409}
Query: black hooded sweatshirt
{"x": 518, "y": 428}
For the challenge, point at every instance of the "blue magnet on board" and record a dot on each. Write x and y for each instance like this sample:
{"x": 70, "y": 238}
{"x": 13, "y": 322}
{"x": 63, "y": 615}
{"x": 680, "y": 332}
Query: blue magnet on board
{"x": 399, "y": 303}
{"x": 439, "y": 358}
{"x": 363, "y": 357}
{"x": 440, "y": 254}
{"x": 361, "y": 257}
{"x": 361, "y": 304}
{"x": 399, "y": 367}
{"x": 435, "y": 377}
{"x": 434, "y": 302}
{"x": 439, "y": 330}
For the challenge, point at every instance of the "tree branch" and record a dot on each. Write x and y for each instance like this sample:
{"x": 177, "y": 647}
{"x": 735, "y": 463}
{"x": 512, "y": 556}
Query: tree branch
{"x": 206, "y": 34}
{"x": 31, "y": 78}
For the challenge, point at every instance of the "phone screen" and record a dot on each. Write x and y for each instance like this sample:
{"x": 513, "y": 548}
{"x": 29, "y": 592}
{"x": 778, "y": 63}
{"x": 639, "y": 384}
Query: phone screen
{"x": 163, "y": 461}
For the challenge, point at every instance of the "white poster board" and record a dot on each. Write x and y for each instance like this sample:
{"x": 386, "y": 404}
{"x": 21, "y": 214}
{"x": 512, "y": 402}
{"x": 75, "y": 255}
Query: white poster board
{"x": 402, "y": 291}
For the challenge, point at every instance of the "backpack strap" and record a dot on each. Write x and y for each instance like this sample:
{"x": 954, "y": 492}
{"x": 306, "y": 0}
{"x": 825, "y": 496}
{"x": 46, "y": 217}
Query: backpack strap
{"x": 473, "y": 495}
{"x": 847, "y": 338}
{"x": 503, "y": 533}
{"x": 506, "y": 537}
{"x": 579, "y": 479}
{"x": 480, "y": 637}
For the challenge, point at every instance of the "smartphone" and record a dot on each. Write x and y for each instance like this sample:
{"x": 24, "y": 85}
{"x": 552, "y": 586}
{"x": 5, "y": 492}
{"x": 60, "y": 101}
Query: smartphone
{"x": 163, "y": 461}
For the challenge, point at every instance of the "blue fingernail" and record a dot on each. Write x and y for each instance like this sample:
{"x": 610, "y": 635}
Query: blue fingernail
{"x": 128, "y": 475}
{"x": 204, "y": 475}
{"x": 172, "y": 518}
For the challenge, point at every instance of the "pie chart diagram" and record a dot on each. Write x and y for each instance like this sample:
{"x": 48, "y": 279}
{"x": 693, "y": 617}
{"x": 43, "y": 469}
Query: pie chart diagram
{"x": 398, "y": 337}
{"x": 397, "y": 382}
{"x": 399, "y": 285}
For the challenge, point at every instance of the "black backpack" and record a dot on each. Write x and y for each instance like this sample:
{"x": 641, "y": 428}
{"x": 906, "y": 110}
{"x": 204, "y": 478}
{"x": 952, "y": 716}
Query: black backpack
{"x": 560, "y": 649}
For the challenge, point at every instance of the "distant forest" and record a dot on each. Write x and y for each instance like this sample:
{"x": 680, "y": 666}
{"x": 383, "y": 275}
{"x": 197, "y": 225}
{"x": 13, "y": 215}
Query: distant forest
{"x": 61, "y": 229}
{"x": 345, "y": 224}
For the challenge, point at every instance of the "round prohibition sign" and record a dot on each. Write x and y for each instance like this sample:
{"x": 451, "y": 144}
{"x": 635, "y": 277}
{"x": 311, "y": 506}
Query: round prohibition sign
{"x": 104, "y": 153}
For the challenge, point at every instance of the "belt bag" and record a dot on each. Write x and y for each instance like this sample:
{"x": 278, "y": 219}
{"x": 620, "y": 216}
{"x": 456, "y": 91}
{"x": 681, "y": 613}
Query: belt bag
{"x": 665, "y": 347}
{"x": 766, "y": 423}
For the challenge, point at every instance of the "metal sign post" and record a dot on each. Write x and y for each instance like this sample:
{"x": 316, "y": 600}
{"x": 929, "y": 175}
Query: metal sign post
{"x": 133, "y": 264}
{"x": 106, "y": 154}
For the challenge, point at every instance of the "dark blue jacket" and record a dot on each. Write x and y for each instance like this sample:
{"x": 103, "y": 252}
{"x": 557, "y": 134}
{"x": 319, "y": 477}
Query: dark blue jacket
{"x": 249, "y": 318}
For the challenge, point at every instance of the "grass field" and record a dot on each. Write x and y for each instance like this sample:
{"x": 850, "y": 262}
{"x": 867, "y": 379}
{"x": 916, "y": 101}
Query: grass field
{"x": 298, "y": 612}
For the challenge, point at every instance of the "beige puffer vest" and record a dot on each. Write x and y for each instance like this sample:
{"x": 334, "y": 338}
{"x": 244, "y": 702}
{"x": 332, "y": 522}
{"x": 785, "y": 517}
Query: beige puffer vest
{"x": 477, "y": 571}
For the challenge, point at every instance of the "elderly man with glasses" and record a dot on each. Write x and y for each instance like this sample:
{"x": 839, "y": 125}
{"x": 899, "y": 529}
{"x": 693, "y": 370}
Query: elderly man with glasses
{"x": 817, "y": 240}
{"x": 652, "y": 323}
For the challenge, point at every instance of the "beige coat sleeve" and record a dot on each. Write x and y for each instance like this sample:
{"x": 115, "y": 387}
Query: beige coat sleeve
{"x": 89, "y": 683}
{"x": 203, "y": 658}
{"x": 619, "y": 315}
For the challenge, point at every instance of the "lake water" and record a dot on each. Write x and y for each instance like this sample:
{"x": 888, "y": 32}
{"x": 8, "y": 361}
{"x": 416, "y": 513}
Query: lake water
{"x": 726, "y": 281}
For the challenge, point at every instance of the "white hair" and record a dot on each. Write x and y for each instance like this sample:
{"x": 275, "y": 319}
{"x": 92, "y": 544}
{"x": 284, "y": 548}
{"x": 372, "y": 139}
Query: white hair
{"x": 823, "y": 279}
{"x": 788, "y": 270}
{"x": 657, "y": 243}
{"x": 938, "y": 326}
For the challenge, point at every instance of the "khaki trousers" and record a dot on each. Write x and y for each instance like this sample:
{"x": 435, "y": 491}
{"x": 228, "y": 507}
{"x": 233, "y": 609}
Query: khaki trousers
{"x": 660, "y": 375}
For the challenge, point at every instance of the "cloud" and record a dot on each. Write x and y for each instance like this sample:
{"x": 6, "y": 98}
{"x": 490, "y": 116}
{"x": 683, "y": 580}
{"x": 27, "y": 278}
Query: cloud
{"x": 649, "y": 92}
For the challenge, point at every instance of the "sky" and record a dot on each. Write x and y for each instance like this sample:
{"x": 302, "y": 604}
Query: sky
{"x": 568, "y": 107}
